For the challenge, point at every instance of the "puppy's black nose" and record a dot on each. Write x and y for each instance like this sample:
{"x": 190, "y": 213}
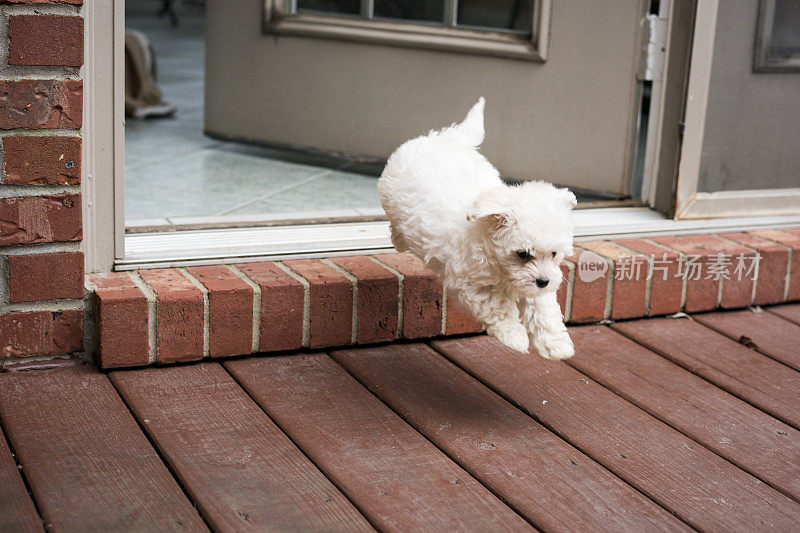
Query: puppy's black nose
{"x": 542, "y": 282}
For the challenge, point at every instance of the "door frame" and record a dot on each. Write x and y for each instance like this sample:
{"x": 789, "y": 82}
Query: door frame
{"x": 103, "y": 154}
{"x": 103, "y": 169}
{"x": 689, "y": 203}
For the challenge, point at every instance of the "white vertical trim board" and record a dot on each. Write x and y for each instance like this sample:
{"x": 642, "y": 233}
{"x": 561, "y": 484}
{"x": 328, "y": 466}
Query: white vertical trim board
{"x": 103, "y": 237}
{"x": 705, "y": 30}
{"x": 653, "y": 138}
{"x": 119, "y": 128}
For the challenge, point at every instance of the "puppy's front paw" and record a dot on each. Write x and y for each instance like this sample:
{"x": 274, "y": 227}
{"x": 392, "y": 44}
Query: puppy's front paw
{"x": 512, "y": 335}
{"x": 556, "y": 346}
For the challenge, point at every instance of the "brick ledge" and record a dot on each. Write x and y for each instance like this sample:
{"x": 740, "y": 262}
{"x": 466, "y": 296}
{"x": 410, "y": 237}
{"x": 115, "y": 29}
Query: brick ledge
{"x": 184, "y": 314}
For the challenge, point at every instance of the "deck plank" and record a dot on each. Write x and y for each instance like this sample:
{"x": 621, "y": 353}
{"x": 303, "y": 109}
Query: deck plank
{"x": 542, "y": 477}
{"x": 392, "y": 473}
{"x": 763, "y": 382}
{"x": 790, "y": 312}
{"x": 719, "y": 421}
{"x": 17, "y": 512}
{"x": 239, "y": 468}
{"x": 698, "y": 486}
{"x": 88, "y": 464}
{"x": 773, "y": 336}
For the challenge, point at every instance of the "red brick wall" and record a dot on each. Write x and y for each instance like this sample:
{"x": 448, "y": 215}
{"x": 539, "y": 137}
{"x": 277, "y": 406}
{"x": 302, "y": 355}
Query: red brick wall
{"x": 41, "y": 114}
{"x": 169, "y": 315}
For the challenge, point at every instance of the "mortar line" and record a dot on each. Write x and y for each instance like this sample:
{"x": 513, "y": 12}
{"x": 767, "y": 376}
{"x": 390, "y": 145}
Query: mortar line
{"x": 788, "y": 279}
{"x": 648, "y": 285}
{"x": 70, "y": 304}
{"x": 89, "y": 319}
{"x": 570, "y": 288}
{"x": 152, "y": 325}
{"x": 306, "y": 302}
{"x": 757, "y": 267}
{"x": 256, "y": 306}
{"x": 354, "y": 281}
{"x": 206, "y": 310}
{"x": 444, "y": 310}
{"x": 400, "y": 292}
{"x": 684, "y": 277}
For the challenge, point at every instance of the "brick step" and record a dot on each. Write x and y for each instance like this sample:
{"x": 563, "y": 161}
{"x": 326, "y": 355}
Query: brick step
{"x": 184, "y": 314}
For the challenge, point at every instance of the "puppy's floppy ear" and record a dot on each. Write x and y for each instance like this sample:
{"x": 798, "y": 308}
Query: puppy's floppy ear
{"x": 567, "y": 197}
{"x": 491, "y": 208}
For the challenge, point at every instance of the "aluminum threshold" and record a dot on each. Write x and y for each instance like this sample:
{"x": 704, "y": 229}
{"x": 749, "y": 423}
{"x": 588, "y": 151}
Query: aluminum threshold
{"x": 199, "y": 247}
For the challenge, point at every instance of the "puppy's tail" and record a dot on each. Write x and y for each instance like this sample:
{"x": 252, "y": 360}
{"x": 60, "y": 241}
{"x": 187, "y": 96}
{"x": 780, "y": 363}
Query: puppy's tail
{"x": 470, "y": 131}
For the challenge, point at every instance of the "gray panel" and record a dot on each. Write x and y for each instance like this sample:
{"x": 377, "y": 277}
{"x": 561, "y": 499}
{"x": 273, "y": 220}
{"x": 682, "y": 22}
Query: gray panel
{"x": 571, "y": 119}
{"x": 752, "y": 135}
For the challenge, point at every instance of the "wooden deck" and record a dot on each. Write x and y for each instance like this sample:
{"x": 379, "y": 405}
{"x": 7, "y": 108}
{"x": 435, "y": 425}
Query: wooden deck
{"x": 659, "y": 424}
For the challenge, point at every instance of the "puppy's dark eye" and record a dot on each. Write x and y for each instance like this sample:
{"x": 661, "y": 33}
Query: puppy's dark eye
{"x": 553, "y": 254}
{"x": 524, "y": 255}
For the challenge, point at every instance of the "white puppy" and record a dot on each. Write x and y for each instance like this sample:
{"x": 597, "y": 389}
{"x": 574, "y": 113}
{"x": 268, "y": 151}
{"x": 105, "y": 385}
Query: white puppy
{"x": 497, "y": 248}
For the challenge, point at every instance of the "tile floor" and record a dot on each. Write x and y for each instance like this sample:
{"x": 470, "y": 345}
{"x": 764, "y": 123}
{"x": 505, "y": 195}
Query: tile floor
{"x": 177, "y": 177}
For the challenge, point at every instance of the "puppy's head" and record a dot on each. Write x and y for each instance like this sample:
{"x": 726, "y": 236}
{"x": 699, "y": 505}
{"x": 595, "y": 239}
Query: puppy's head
{"x": 527, "y": 231}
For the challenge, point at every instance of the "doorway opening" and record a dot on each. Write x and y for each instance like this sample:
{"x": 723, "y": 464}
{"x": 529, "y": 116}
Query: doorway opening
{"x": 178, "y": 177}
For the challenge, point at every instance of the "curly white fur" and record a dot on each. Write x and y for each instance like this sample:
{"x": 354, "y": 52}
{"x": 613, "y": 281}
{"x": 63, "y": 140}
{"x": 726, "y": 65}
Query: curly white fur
{"x": 489, "y": 242}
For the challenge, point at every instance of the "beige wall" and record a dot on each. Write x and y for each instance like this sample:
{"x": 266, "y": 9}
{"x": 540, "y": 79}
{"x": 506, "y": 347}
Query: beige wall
{"x": 571, "y": 119}
{"x": 752, "y": 129}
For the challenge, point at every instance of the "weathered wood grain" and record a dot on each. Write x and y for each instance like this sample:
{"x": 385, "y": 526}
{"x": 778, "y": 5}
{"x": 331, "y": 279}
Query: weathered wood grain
{"x": 719, "y": 421}
{"x": 692, "y": 482}
{"x": 769, "y": 334}
{"x": 789, "y": 312}
{"x": 17, "y": 512}
{"x": 763, "y": 382}
{"x": 87, "y": 462}
{"x": 399, "y": 480}
{"x": 554, "y": 485}
{"x": 240, "y": 469}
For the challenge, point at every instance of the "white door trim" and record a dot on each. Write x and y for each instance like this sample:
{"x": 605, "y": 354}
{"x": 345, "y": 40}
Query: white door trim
{"x": 753, "y": 202}
{"x": 653, "y": 138}
{"x": 108, "y": 247}
{"x": 689, "y": 202}
{"x": 163, "y": 250}
{"x": 103, "y": 134}
{"x": 696, "y": 103}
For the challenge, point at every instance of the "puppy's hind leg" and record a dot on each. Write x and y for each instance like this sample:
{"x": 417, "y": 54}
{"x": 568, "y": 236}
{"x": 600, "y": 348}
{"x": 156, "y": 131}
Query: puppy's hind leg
{"x": 548, "y": 334}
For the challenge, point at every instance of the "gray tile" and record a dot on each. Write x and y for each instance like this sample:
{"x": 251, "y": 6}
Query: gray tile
{"x": 144, "y": 222}
{"x": 173, "y": 170}
{"x": 204, "y": 182}
{"x": 339, "y": 190}
{"x": 262, "y": 219}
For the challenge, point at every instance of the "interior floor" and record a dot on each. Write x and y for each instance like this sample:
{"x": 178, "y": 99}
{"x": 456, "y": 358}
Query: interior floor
{"x": 216, "y": 180}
